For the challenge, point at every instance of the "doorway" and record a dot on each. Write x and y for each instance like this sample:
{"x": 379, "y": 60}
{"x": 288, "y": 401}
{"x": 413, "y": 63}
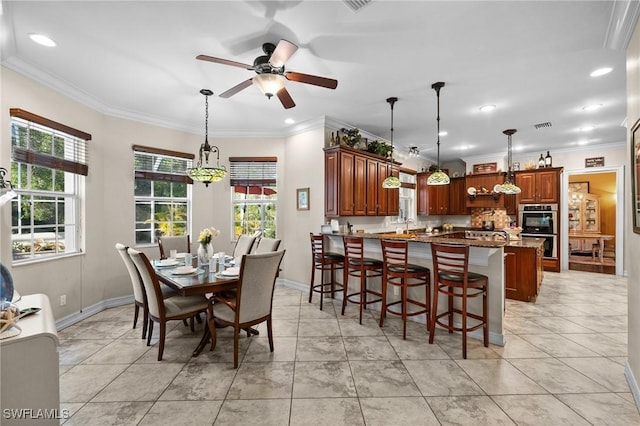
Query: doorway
{"x": 592, "y": 204}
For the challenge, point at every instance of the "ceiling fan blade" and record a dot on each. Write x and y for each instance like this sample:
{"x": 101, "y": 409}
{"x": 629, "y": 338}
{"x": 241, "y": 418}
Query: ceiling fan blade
{"x": 224, "y": 61}
{"x": 235, "y": 89}
{"x": 283, "y": 52}
{"x": 285, "y": 98}
{"x": 329, "y": 83}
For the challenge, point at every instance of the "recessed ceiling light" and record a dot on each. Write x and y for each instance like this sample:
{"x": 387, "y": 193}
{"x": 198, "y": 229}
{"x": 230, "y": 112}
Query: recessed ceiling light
{"x": 582, "y": 142}
{"x": 443, "y": 133}
{"x": 601, "y": 71}
{"x": 587, "y": 128}
{"x": 42, "y": 40}
{"x": 592, "y": 107}
{"x": 487, "y": 108}
{"x": 289, "y": 120}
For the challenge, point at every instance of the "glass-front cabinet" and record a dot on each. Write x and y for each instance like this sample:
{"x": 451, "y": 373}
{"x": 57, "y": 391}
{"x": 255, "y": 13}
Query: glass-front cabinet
{"x": 584, "y": 212}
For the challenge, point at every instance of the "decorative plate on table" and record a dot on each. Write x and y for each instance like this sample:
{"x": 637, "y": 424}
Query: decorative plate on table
{"x": 164, "y": 263}
{"x": 184, "y": 270}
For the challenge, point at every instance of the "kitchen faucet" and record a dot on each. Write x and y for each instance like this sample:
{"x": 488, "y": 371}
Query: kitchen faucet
{"x": 505, "y": 234}
{"x": 407, "y": 222}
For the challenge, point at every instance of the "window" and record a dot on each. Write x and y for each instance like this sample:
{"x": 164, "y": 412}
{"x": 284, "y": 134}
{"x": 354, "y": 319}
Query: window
{"x": 407, "y": 196}
{"x": 48, "y": 165}
{"x": 162, "y": 193}
{"x": 254, "y": 195}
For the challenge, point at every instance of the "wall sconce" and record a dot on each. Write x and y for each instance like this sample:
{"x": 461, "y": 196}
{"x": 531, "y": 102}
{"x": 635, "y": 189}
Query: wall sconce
{"x": 414, "y": 151}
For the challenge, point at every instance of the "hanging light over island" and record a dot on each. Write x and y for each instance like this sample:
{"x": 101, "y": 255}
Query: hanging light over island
{"x": 438, "y": 177}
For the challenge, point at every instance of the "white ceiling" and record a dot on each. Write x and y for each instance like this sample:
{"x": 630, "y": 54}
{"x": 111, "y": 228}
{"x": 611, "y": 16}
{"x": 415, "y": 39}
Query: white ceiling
{"x": 531, "y": 59}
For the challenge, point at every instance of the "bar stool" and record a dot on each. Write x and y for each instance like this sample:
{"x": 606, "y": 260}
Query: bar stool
{"x": 453, "y": 278}
{"x": 358, "y": 266}
{"x": 398, "y": 272}
{"x": 323, "y": 261}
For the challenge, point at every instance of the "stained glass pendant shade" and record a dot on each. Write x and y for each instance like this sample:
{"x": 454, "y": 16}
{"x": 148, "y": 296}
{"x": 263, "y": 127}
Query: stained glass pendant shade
{"x": 202, "y": 172}
{"x": 438, "y": 177}
{"x": 391, "y": 182}
{"x": 508, "y": 187}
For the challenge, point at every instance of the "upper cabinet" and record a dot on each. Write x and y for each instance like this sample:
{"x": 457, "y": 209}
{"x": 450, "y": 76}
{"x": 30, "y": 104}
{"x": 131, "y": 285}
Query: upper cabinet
{"x": 539, "y": 186}
{"x": 432, "y": 199}
{"x": 458, "y": 196}
{"x": 353, "y": 184}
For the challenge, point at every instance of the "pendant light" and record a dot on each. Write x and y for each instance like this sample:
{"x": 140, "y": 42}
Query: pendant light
{"x": 202, "y": 172}
{"x": 438, "y": 177}
{"x": 507, "y": 187}
{"x": 391, "y": 182}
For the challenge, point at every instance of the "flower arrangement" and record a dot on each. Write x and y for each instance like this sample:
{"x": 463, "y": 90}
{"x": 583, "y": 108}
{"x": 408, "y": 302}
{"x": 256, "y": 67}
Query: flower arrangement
{"x": 207, "y": 234}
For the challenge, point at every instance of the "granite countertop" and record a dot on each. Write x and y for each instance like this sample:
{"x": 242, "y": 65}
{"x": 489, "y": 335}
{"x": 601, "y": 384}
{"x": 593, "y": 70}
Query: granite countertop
{"x": 453, "y": 237}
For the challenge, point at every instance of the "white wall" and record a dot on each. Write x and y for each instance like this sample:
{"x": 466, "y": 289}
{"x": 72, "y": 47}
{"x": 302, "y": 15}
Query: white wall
{"x": 632, "y": 370}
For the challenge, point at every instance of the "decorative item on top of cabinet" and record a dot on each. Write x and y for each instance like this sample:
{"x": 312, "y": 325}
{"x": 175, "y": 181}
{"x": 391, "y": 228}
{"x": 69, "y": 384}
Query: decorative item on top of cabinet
{"x": 539, "y": 186}
{"x": 352, "y": 186}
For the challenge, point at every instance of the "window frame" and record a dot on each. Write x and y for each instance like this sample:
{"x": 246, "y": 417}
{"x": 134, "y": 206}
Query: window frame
{"x": 241, "y": 175}
{"x": 66, "y": 159}
{"x": 156, "y": 177}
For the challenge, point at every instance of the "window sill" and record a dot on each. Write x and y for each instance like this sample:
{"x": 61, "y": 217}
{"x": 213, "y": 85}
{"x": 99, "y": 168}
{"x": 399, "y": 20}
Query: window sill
{"x": 20, "y": 263}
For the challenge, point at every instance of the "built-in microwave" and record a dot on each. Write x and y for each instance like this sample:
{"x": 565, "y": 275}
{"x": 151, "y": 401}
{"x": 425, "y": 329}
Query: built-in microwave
{"x": 538, "y": 218}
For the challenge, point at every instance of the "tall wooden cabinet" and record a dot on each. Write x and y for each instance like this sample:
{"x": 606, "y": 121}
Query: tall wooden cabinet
{"x": 353, "y": 184}
{"x": 584, "y": 212}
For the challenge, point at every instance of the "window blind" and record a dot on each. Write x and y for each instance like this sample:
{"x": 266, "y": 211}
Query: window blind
{"x": 252, "y": 171}
{"x": 39, "y": 141}
{"x": 161, "y": 164}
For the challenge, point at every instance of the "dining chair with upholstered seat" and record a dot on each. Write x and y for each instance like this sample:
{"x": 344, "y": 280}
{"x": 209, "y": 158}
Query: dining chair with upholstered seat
{"x": 139, "y": 294}
{"x": 164, "y": 310}
{"x": 265, "y": 245}
{"x": 180, "y": 243}
{"x": 243, "y": 245}
{"x": 251, "y": 304}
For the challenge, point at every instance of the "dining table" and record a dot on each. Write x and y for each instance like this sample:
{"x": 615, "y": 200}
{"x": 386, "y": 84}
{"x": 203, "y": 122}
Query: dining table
{"x": 202, "y": 282}
{"x": 593, "y": 236}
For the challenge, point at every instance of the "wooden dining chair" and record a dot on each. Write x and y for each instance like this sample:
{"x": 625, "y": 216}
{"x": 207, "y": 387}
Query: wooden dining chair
{"x": 251, "y": 304}
{"x": 181, "y": 243}
{"x": 243, "y": 245}
{"x": 139, "y": 294}
{"x": 265, "y": 245}
{"x": 164, "y": 310}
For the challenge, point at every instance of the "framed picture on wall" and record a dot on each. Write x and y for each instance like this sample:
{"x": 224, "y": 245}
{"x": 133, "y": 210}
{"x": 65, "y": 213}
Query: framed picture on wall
{"x": 635, "y": 175}
{"x": 579, "y": 187}
{"x": 302, "y": 198}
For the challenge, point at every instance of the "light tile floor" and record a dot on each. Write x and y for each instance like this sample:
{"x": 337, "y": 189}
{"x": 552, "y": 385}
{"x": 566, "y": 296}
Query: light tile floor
{"x": 563, "y": 365}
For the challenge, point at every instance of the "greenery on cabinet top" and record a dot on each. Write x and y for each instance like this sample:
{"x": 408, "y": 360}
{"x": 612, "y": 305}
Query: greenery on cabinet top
{"x": 353, "y": 139}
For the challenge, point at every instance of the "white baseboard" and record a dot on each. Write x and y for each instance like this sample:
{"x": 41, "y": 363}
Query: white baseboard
{"x": 633, "y": 384}
{"x": 85, "y": 313}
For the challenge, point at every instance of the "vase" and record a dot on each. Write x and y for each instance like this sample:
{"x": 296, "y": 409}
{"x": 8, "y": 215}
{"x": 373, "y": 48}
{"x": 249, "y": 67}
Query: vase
{"x": 6, "y": 285}
{"x": 205, "y": 251}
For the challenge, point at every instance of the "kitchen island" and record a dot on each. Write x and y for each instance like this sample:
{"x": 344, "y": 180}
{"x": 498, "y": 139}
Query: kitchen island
{"x": 486, "y": 256}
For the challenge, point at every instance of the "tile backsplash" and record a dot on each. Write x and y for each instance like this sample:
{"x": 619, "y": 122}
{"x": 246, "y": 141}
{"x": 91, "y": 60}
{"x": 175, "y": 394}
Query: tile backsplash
{"x": 499, "y": 216}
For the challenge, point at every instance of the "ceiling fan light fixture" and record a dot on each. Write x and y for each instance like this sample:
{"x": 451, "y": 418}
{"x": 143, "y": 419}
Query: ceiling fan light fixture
{"x": 269, "y": 84}
{"x": 508, "y": 187}
{"x": 202, "y": 172}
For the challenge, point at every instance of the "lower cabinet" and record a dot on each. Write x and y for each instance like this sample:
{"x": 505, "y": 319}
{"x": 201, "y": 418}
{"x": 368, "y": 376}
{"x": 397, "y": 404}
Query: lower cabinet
{"x": 523, "y": 272}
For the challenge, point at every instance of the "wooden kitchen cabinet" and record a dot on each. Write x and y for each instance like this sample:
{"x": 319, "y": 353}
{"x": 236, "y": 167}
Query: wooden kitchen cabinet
{"x": 458, "y": 197}
{"x": 523, "y": 272}
{"x": 482, "y": 183}
{"x": 432, "y": 199}
{"x": 541, "y": 186}
{"x": 353, "y": 184}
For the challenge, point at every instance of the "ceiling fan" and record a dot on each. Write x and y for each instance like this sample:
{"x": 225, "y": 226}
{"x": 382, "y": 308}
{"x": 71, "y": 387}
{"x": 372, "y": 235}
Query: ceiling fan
{"x": 271, "y": 74}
